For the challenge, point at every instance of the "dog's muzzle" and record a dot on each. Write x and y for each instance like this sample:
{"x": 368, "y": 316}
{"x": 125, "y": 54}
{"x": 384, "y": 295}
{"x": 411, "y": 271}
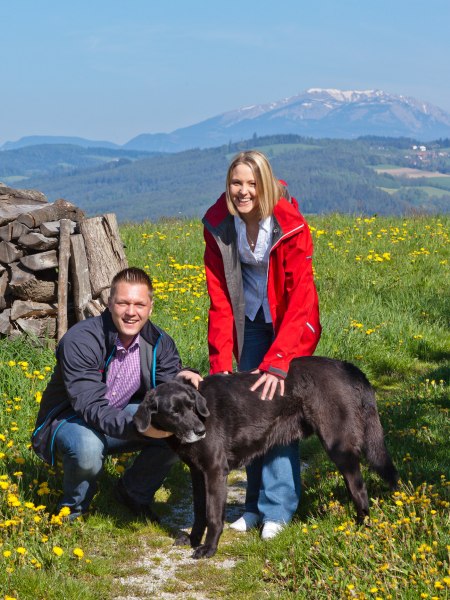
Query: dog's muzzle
{"x": 192, "y": 437}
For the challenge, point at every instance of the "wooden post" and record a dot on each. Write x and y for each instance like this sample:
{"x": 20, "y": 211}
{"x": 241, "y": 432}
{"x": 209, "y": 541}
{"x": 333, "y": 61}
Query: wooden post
{"x": 81, "y": 286}
{"x": 104, "y": 251}
{"x": 63, "y": 275}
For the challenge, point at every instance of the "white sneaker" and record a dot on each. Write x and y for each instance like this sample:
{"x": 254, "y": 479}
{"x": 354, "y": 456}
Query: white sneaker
{"x": 248, "y": 521}
{"x": 271, "y": 529}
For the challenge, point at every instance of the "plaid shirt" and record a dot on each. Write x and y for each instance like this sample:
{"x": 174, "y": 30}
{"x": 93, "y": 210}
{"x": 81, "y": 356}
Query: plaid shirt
{"x": 124, "y": 374}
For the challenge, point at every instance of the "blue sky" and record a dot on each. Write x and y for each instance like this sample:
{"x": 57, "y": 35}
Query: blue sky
{"x": 110, "y": 70}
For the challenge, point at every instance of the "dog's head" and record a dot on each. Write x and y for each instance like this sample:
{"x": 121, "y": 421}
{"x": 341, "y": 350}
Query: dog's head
{"x": 176, "y": 407}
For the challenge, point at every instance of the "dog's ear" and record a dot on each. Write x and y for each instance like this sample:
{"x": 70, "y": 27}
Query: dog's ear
{"x": 143, "y": 416}
{"x": 200, "y": 404}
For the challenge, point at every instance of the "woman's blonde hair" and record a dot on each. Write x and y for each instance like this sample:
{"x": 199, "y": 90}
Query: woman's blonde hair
{"x": 269, "y": 190}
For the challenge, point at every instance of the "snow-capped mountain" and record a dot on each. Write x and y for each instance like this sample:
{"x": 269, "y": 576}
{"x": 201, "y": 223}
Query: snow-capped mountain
{"x": 317, "y": 113}
{"x": 314, "y": 113}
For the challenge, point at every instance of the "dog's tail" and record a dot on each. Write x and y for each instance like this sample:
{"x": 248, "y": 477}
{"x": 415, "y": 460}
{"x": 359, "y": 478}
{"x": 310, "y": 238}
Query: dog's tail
{"x": 375, "y": 448}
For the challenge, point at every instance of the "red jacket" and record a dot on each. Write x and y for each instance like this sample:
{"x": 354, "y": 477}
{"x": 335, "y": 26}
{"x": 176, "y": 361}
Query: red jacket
{"x": 291, "y": 291}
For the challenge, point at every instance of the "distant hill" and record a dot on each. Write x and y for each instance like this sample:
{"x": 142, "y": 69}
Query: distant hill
{"x": 53, "y": 160}
{"x": 318, "y": 113}
{"x": 38, "y": 140}
{"x": 364, "y": 176}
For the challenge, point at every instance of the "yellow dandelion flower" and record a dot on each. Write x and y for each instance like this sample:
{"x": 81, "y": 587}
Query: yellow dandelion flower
{"x": 78, "y": 552}
{"x": 6, "y": 553}
{"x": 21, "y": 550}
{"x": 58, "y": 551}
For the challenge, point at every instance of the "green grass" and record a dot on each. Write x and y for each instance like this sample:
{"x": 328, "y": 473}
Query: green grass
{"x": 383, "y": 285}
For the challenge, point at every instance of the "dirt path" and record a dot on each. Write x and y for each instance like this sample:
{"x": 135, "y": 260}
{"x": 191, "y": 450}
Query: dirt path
{"x": 162, "y": 570}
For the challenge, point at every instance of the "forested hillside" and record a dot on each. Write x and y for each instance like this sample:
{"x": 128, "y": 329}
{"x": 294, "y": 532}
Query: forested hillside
{"x": 365, "y": 176}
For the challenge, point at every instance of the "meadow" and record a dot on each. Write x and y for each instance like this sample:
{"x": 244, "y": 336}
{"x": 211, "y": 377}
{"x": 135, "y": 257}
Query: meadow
{"x": 384, "y": 294}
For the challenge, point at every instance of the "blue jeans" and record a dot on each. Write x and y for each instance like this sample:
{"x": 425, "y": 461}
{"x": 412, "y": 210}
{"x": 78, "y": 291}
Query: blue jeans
{"x": 273, "y": 480}
{"x": 83, "y": 451}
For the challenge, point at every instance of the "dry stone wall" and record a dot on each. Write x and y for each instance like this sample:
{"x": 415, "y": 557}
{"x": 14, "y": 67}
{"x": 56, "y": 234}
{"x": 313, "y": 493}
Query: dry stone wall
{"x": 55, "y": 264}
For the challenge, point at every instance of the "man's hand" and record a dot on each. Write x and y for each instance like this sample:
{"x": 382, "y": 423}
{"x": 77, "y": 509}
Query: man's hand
{"x": 152, "y": 432}
{"x": 270, "y": 385}
{"x": 192, "y": 377}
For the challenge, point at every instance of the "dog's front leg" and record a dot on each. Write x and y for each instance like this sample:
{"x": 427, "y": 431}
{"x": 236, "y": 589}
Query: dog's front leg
{"x": 199, "y": 497}
{"x": 216, "y": 494}
{"x": 199, "y": 501}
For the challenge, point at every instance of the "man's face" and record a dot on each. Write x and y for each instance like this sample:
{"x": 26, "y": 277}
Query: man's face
{"x": 130, "y": 308}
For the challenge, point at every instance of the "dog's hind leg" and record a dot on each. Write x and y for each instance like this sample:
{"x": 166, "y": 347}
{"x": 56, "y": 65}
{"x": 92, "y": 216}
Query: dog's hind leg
{"x": 348, "y": 464}
{"x": 216, "y": 495}
{"x": 375, "y": 449}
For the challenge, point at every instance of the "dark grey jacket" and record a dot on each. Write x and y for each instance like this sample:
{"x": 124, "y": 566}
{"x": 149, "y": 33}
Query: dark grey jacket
{"x": 78, "y": 383}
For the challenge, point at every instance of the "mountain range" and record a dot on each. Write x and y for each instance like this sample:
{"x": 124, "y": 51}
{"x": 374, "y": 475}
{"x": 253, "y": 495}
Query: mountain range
{"x": 316, "y": 113}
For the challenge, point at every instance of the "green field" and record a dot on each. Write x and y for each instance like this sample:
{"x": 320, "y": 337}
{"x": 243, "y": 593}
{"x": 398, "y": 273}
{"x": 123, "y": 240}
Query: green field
{"x": 442, "y": 182}
{"x": 383, "y": 285}
{"x": 430, "y": 191}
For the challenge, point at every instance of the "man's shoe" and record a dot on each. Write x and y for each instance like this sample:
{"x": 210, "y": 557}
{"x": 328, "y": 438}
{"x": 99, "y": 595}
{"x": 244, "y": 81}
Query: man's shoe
{"x": 138, "y": 509}
{"x": 271, "y": 529}
{"x": 248, "y": 521}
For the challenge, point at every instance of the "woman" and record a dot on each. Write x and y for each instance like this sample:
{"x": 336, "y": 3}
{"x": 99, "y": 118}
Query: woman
{"x": 264, "y": 310}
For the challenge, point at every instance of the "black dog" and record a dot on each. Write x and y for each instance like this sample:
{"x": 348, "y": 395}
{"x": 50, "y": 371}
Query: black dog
{"x": 224, "y": 425}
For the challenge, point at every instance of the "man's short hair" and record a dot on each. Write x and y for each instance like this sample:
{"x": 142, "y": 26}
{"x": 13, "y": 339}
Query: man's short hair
{"x": 132, "y": 275}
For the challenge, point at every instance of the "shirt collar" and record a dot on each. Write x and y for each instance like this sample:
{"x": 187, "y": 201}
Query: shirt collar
{"x": 132, "y": 346}
{"x": 265, "y": 224}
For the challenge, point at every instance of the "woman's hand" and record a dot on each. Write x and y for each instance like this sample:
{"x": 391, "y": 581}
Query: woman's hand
{"x": 158, "y": 434}
{"x": 270, "y": 385}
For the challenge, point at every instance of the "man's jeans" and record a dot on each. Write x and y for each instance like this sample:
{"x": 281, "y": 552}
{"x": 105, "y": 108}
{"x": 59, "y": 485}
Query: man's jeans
{"x": 83, "y": 451}
{"x": 273, "y": 480}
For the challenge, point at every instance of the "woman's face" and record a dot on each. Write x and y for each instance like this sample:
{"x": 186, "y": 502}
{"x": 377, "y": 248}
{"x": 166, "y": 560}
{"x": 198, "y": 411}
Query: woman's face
{"x": 243, "y": 191}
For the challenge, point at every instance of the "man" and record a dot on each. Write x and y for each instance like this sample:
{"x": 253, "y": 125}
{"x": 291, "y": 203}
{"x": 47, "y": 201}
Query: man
{"x": 104, "y": 367}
